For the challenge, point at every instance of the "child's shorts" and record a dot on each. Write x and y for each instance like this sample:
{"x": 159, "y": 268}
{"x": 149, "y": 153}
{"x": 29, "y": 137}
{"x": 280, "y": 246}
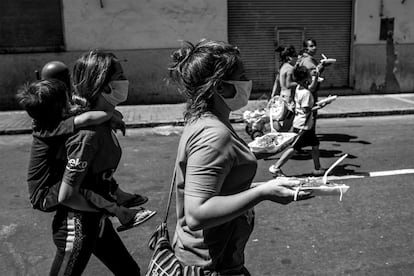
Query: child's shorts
{"x": 307, "y": 138}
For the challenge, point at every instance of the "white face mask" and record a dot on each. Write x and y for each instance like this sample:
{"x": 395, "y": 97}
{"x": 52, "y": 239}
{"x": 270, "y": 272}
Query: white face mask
{"x": 119, "y": 92}
{"x": 243, "y": 90}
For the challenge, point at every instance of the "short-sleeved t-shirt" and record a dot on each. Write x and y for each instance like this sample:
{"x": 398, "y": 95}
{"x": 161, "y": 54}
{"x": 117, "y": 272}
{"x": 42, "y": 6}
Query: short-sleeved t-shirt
{"x": 308, "y": 61}
{"x": 311, "y": 63}
{"x": 212, "y": 160}
{"x": 303, "y": 98}
{"x": 93, "y": 154}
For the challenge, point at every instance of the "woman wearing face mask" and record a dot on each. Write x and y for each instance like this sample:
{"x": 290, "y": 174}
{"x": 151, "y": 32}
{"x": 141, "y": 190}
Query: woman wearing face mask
{"x": 80, "y": 226}
{"x": 214, "y": 168}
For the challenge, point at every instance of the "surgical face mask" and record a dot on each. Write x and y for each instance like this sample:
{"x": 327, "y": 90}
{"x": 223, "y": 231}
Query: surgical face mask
{"x": 243, "y": 90}
{"x": 119, "y": 92}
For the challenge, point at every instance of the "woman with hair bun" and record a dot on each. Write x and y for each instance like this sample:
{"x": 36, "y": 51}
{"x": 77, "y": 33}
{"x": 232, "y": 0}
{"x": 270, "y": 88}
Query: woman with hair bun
{"x": 214, "y": 168}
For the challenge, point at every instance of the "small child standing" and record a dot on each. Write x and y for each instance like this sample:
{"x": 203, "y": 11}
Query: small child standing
{"x": 303, "y": 123}
{"x": 47, "y": 103}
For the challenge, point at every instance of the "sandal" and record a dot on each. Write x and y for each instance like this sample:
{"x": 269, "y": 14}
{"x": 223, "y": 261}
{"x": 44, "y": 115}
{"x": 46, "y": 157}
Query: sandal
{"x": 140, "y": 217}
{"x": 137, "y": 200}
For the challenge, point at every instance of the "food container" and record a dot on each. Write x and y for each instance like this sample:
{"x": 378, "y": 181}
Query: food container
{"x": 273, "y": 142}
{"x": 327, "y": 100}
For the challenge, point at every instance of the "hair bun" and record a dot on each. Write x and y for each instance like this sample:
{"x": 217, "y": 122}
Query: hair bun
{"x": 279, "y": 49}
{"x": 181, "y": 55}
{"x": 184, "y": 52}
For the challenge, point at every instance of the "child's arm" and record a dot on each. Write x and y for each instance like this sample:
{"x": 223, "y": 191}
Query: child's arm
{"x": 314, "y": 84}
{"x": 91, "y": 118}
{"x": 117, "y": 122}
{"x": 319, "y": 106}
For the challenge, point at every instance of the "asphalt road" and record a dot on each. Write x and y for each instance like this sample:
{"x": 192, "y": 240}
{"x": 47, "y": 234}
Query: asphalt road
{"x": 369, "y": 232}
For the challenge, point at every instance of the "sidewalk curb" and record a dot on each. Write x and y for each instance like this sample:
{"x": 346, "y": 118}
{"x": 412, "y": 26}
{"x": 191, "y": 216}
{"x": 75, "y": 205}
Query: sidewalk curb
{"x": 240, "y": 120}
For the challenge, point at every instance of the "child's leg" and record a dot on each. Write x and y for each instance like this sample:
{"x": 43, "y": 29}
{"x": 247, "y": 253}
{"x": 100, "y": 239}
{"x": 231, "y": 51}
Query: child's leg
{"x": 127, "y": 199}
{"x": 123, "y": 214}
{"x": 287, "y": 154}
{"x": 315, "y": 157}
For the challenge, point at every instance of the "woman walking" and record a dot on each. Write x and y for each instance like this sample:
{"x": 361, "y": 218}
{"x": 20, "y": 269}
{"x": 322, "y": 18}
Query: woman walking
{"x": 214, "y": 167}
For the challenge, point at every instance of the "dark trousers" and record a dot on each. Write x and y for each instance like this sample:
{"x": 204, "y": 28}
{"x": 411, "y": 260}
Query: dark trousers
{"x": 78, "y": 235}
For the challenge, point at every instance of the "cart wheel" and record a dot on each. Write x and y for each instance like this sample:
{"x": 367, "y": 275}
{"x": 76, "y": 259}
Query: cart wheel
{"x": 257, "y": 133}
{"x": 248, "y": 129}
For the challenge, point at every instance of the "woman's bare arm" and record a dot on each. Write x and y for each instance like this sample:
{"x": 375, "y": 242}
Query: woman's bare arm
{"x": 203, "y": 213}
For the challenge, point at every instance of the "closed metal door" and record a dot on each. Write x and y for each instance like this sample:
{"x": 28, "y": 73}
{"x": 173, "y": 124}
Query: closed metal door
{"x": 253, "y": 25}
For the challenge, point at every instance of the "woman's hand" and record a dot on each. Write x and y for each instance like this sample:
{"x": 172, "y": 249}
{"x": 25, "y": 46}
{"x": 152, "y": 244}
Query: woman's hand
{"x": 117, "y": 122}
{"x": 282, "y": 190}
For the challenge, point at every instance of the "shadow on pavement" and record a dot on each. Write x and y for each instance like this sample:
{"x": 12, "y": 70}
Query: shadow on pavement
{"x": 340, "y": 138}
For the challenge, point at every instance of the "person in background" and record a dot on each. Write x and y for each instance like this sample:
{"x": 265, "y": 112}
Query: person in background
{"x": 316, "y": 68}
{"x": 214, "y": 167}
{"x": 303, "y": 123}
{"x": 287, "y": 57}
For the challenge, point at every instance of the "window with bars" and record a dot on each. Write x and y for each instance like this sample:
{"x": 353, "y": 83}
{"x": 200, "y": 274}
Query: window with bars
{"x": 31, "y": 26}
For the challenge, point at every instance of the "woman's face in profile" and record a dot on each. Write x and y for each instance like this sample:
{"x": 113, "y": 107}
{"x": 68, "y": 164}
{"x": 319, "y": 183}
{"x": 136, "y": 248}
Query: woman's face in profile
{"x": 229, "y": 91}
{"x": 310, "y": 48}
{"x": 118, "y": 72}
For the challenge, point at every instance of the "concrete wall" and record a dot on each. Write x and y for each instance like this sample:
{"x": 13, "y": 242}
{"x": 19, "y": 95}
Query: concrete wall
{"x": 383, "y": 66}
{"x": 140, "y": 31}
{"x": 141, "y": 24}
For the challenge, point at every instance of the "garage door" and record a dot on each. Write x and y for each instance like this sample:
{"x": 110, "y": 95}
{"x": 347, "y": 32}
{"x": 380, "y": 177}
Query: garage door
{"x": 257, "y": 26}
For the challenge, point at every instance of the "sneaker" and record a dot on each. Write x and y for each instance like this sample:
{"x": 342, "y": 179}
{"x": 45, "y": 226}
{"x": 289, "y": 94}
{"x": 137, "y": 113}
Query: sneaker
{"x": 276, "y": 171}
{"x": 140, "y": 217}
{"x": 319, "y": 172}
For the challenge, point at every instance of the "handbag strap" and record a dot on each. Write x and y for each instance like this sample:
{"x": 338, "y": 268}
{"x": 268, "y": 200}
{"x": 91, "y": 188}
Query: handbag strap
{"x": 170, "y": 197}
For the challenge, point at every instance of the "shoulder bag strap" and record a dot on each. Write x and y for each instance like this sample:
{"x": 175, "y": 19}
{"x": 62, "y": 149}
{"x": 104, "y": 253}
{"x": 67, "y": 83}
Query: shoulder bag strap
{"x": 170, "y": 196}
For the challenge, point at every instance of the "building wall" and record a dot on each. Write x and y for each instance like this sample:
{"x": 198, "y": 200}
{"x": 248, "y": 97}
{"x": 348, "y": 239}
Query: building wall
{"x": 144, "y": 33}
{"x": 383, "y": 66}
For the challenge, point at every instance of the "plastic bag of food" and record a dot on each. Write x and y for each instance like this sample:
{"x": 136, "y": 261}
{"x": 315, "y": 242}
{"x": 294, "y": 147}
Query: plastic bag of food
{"x": 272, "y": 142}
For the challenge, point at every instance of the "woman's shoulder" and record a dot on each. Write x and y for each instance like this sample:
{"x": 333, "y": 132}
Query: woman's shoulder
{"x": 286, "y": 66}
{"x": 207, "y": 128}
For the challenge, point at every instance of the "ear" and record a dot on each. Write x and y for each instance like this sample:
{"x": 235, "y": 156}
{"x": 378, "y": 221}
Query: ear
{"x": 219, "y": 87}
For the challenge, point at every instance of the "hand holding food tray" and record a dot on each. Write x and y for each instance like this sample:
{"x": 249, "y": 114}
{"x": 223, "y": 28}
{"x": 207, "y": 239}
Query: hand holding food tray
{"x": 316, "y": 189}
{"x": 327, "y": 61}
{"x": 273, "y": 142}
{"x": 327, "y": 100}
{"x": 321, "y": 187}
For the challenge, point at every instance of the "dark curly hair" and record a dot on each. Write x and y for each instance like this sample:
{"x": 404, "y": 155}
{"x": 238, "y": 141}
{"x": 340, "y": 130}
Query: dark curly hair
{"x": 285, "y": 52}
{"x": 300, "y": 74}
{"x": 44, "y": 100}
{"x": 199, "y": 68}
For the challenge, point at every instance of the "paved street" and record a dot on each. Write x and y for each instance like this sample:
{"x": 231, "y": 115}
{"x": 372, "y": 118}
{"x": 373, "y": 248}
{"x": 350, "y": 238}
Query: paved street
{"x": 370, "y": 232}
